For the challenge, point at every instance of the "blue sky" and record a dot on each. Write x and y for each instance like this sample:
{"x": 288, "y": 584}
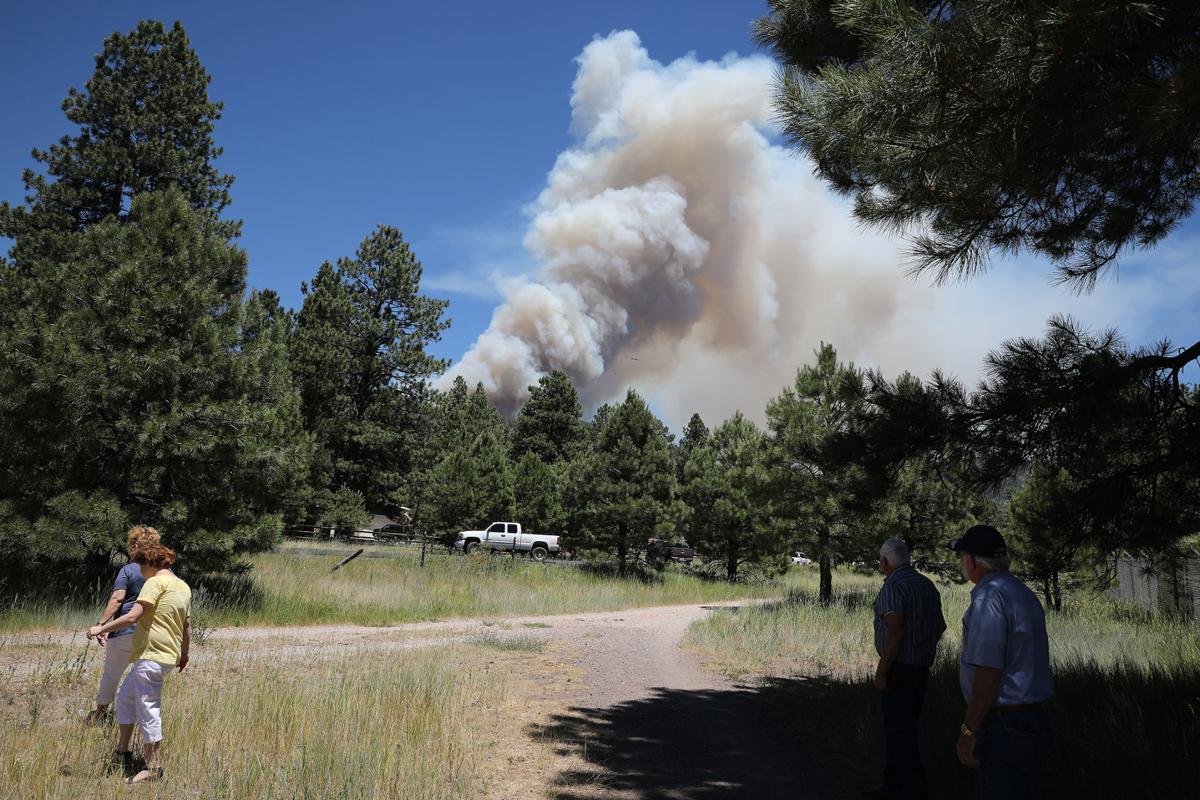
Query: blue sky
{"x": 441, "y": 119}
{"x": 444, "y": 120}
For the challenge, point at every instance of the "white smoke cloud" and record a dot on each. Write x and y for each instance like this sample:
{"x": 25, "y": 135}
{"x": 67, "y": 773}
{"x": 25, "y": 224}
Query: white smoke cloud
{"x": 683, "y": 253}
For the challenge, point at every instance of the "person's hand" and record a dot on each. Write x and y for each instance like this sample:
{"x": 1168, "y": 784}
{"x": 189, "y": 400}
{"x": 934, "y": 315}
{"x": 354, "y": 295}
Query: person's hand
{"x": 102, "y": 639}
{"x": 183, "y": 662}
{"x": 881, "y": 680}
{"x": 966, "y": 751}
{"x": 94, "y": 631}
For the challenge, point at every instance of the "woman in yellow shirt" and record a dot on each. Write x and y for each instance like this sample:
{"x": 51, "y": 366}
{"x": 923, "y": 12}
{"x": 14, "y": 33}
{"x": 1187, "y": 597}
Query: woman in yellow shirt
{"x": 160, "y": 643}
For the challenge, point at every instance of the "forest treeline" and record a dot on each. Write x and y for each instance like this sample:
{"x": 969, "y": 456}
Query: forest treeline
{"x": 141, "y": 382}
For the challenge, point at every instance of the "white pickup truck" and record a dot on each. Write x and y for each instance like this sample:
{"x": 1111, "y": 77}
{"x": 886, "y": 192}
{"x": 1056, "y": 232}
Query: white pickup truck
{"x": 508, "y": 537}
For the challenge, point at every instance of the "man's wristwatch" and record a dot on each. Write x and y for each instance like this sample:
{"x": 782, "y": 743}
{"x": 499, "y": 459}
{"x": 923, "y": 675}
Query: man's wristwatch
{"x": 965, "y": 731}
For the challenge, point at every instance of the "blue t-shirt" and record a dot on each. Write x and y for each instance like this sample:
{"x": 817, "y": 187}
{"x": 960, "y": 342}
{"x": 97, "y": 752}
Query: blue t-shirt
{"x": 1005, "y": 627}
{"x": 130, "y": 579}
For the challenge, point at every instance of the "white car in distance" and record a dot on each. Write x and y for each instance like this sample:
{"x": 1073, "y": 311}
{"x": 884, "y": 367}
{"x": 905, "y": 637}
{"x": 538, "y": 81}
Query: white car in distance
{"x": 507, "y": 537}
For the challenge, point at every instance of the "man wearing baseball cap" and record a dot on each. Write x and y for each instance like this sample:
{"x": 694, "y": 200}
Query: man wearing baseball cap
{"x": 1004, "y": 671}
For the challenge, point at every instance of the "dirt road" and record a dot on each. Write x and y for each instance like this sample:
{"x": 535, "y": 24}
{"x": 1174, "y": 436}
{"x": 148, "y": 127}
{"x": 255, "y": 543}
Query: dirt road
{"x": 640, "y": 719}
{"x": 629, "y": 716}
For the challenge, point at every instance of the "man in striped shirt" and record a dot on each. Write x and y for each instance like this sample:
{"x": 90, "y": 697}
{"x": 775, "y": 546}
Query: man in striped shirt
{"x": 908, "y": 625}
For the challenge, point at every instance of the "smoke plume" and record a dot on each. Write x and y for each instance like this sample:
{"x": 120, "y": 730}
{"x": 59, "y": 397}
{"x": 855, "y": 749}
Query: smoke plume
{"x": 683, "y": 253}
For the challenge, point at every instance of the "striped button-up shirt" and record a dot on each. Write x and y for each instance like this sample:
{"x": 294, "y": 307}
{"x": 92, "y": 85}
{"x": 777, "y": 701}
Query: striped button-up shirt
{"x": 910, "y": 593}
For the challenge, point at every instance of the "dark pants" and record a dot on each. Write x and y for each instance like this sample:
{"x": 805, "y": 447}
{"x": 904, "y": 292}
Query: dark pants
{"x": 1010, "y": 752}
{"x": 903, "y": 772}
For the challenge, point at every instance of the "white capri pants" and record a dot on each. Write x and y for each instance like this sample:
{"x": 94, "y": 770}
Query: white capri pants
{"x": 140, "y": 698}
{"x": 116, "y": 659}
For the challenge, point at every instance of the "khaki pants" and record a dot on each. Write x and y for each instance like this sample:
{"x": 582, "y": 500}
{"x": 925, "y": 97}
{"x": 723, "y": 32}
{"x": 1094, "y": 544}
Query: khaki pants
{"x": 116, "y": 659}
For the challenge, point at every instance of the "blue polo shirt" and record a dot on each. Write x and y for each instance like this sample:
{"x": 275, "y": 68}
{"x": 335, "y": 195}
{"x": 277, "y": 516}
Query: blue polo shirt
{"x": 1005, "y": 627}
{"x": 911, "y": 594}
{"x": 130, "y": 579}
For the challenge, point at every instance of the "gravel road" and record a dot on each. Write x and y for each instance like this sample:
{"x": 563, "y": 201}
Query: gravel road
{"x": 643, "y": 720}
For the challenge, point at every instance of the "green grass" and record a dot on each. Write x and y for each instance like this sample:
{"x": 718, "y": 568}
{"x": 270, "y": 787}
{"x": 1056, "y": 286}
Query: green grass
{"x": 1126, "y": 709}
{"x": 517, "y": 644}
{"x": 290, "y": 589}
{"x": 402, "y": 726}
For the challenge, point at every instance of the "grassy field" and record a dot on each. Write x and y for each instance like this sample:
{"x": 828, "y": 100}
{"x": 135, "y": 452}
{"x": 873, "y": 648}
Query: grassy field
{"x": 290, "y": 589}
{"x": 1126, "y": 708}
{"x": 236, "y": 726}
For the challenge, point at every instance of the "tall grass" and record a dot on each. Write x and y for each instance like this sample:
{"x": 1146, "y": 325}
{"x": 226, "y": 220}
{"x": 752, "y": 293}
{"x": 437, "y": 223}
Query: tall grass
{"x": 1127, "y": 689}
{"x": 289, "y": 589}
{"x": 259, "y": 727}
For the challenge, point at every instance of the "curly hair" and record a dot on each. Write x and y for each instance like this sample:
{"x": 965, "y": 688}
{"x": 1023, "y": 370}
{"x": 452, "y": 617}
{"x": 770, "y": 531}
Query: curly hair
{"x": 152, "y": 553}
{"x": 141, "y": 533}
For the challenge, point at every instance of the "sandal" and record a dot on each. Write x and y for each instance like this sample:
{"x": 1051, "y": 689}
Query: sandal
{"x": 152, "y": 776}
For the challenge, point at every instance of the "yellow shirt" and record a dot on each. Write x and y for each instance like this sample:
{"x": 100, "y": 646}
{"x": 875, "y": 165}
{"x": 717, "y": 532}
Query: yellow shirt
{"x": 167, "y": 602}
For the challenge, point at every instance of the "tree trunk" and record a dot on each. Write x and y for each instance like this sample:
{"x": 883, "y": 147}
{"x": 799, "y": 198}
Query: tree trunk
{"x": 1057, "y": 591}
{"x": 826, "y": 565}
{"x": 731, "y": 565}
{"x": 622, "y": 554}
{"x": 1047, "y": 595}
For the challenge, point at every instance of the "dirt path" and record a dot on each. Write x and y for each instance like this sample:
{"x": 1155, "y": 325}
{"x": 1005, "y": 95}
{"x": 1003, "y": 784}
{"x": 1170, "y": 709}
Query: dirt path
{"x": 625, "y": 714}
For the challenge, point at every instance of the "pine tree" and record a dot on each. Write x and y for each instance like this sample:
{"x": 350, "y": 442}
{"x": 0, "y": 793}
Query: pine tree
{"x": 483, "y": 417}
{"x": 471, "y": 486}
{"x": 145, "y": 124}
{"x": 725, "y": 480}
{"x": 136, "y": 382}
{"x": 695, "y": 434}
{"x": 550, "y": 425}
{"x": 358, "y": 354}
{"x": 1064, "y": 127}
{"x": 624, "y": 490}
{"x": 134, "y": 368}
{"x": 538, "y": 493}
{"x": 811, "y": 482}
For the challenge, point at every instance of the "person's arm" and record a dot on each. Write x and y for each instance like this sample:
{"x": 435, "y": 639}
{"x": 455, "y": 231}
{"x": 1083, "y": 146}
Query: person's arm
{"x": 893, "y": 639}
{"x": 187, "y": 644}
{"x": 114, "y": 602}
{"x": 983, "y": 696}
{"x": 125, "y": 621}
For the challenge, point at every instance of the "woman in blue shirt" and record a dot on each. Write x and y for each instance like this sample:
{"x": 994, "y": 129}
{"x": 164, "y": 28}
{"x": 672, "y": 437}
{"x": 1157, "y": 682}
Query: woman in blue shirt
{"x": 118, "y": 645}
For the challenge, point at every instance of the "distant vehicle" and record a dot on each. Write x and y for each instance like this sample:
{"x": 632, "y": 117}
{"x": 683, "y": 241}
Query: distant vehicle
{"x": 393, "y": 528}
{"x": 508, "y": 537}
{"x": 672, "y": 551}
{"x": 800, "y": 558}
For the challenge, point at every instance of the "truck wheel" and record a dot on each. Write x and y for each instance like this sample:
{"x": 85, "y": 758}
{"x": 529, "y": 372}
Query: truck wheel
{"x": 470, "y": 547}
{"x": 539, "y": 553}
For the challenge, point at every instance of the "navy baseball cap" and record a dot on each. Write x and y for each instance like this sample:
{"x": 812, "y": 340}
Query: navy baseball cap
{"x": 981, "y": 540}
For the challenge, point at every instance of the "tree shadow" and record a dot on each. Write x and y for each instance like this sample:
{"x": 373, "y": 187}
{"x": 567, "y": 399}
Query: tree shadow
{"x": 848, "y": 599}
{"x": 1118, "y": 732}
{"x": 686, "y": 745}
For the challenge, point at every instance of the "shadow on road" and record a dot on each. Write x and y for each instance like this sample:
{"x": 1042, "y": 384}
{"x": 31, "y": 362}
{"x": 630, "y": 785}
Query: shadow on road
{"x": 1119, "y": 732}
{"x": 687, "y": 745}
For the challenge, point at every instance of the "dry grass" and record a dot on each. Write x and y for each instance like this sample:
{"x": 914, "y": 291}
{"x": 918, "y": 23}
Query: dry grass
{"x": 289, "y": 589}
{"x": 238, "y": 726}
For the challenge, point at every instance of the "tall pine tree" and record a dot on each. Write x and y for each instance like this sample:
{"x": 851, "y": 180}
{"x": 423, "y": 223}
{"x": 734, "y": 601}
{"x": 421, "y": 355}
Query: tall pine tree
{"x": 135, "y": 379}
{"x": 811, "y": 483}
{"x": 624, "y": 490}
{"x": 724, "y": 484}
{"x": 550, "y": 425}
{"x": 359, "y": 356}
